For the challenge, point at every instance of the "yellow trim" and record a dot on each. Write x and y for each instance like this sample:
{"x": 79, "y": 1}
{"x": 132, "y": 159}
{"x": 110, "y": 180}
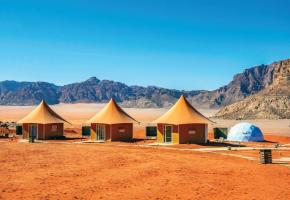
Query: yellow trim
{"x": 160, "y": 137}
{"x": 175, "y": 138}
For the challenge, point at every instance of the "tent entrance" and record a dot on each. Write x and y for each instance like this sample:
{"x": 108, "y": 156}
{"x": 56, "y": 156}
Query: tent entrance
{"x": 167, "y": 134}
{"x": 101, "y": 133}
{"x": 33, "y": 131}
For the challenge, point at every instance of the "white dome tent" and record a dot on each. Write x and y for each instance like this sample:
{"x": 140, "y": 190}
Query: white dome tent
{"x": 245, "y": 132}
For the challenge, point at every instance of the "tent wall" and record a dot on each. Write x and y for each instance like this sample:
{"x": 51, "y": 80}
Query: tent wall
{"x": 93, "y": 132}
{"x": 41, "y": 132}
{"x": 115, "y": 132}
{"x": 51, "y": 132}
{"x": 44, "y": 131}
{"x": 25, "y": 131}
{"x": 122, "y": 132}
{"x": 192, "y": 134}
{"x": 160, "y": 133}
{"x": 183, "y": 134}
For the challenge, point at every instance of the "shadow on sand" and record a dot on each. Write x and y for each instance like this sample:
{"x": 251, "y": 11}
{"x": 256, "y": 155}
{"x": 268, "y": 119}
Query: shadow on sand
{"x": 222, "y": 144}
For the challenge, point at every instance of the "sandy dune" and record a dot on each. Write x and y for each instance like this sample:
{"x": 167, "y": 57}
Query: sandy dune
{"x": 78, "y": 114}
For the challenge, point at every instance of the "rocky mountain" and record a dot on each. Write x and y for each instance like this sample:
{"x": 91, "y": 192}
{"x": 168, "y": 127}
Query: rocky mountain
{"x": 273, "y": 102}
{"x": 95, "y": 90}
{"x": 89, "y": 91}
{"x": 243, "y": 85}
{"x": 27, "y": 93}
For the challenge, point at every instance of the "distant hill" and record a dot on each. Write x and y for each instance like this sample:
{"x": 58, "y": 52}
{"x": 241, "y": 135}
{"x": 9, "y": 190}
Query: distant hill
{"x": 243, "y": 85}
{"x": 273, "y": 102}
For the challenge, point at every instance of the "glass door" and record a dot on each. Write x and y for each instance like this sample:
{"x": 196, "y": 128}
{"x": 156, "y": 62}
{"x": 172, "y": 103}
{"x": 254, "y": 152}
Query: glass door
{"x": 33, "y": 131}
{"x": 167, "y": 134}
{"x": 101, "y": 133}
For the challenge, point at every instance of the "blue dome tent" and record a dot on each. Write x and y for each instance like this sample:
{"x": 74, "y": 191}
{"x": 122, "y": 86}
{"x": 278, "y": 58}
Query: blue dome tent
{"x": 245, "y": 132}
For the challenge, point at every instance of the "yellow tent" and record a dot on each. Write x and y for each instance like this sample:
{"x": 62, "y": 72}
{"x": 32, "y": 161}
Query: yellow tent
{"x": 182, "y": 113}
{"x": 182, "y": 124}
{"x": 112, "y": 124}
{"x": 42, "y": 114}
{"x": 112, "y": 113}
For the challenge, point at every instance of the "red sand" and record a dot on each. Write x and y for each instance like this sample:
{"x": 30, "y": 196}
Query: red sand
{"x": 278, "y": 139}
{"x": 95, "y": 171}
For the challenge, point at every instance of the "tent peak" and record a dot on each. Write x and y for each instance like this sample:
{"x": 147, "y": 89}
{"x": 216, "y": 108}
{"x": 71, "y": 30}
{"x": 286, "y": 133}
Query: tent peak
{"x": 183, "y": 113}
{"x": 182, "y": 97}
{"x": 112, "y": 113}
{"x": 43, "y": 114}
{"x": 112, "y": 99}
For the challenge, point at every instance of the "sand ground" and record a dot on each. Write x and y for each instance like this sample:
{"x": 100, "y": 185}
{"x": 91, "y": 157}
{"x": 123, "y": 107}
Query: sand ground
{"x": 100, "y": 171}
{"x": 78, "y": 114}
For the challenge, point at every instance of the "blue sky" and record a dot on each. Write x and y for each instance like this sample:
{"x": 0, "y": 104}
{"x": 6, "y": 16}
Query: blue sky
{"x": 182, "y": 44}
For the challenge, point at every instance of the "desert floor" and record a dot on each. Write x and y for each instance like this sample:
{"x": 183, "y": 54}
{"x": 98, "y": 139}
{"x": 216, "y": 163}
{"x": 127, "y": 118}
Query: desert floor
{"x": 128, "y": 171}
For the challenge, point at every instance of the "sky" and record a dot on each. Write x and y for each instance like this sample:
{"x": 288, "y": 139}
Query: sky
{"x": 180, "y": 44}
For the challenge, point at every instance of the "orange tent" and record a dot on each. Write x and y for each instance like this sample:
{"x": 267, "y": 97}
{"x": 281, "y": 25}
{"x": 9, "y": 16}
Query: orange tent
{"x": 42, "y": 123}
{"x": 182, "y": 124}
{"x": 112, "y": 123}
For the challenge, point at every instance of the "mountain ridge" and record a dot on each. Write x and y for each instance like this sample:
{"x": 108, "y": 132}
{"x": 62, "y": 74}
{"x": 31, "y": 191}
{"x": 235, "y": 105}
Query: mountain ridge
{"x": 249, "y": 82}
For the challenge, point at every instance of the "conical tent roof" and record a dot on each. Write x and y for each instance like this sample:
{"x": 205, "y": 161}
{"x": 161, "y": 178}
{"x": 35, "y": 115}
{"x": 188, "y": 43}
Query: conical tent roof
{"x": 112, "y": 113}
{"x": 182, "y": 113}
{"x": 43, "y": 114}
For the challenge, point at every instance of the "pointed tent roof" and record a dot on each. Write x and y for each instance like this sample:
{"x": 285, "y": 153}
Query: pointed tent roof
{"x": 112, "y": 113}
{"x": 43, "y": 114}
{"x": 182, "y": 113}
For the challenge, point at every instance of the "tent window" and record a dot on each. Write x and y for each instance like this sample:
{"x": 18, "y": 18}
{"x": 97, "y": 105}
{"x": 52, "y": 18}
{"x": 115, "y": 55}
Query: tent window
{"x": 192, "y": 132}
{"x": 54, "y": 128}
{"x": 121, "y": 130}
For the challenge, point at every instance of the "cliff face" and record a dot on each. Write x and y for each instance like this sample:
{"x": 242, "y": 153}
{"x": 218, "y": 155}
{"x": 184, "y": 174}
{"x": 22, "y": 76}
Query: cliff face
{"x": 273, "y": 102}
{"x": 243, "y": 85}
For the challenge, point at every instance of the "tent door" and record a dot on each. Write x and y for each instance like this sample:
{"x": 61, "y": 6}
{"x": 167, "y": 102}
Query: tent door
{"x": 101, "y": 133}
{"x": 33, "y": 131}
{"x": 167, "y": 134}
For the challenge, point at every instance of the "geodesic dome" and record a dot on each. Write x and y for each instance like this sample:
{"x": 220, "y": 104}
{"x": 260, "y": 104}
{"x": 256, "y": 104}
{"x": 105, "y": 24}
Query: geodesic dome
{"x": 245, "y": 132}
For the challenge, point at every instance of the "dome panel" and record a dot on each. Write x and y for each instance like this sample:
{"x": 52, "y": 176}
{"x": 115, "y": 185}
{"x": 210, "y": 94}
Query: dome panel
{"x": 245, "y": 132}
